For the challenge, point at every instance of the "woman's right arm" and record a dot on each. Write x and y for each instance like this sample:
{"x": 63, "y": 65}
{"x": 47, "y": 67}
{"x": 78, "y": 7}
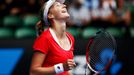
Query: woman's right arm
{"x": 36, "y": 65}
{"x": 37, "y": 69}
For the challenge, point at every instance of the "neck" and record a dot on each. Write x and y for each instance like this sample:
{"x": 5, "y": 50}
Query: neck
{"x": 59, "y": 28}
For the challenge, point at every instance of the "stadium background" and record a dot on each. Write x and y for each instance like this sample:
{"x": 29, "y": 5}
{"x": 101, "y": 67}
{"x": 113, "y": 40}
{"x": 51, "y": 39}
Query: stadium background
{"x": 17, "y": 35}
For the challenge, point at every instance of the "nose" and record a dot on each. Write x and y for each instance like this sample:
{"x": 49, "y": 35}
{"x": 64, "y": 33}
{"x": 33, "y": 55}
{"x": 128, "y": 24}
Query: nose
{"x": 64, "y": 5}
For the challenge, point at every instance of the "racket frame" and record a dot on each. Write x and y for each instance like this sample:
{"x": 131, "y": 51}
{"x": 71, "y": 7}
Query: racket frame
{"x": 91, "y": 39}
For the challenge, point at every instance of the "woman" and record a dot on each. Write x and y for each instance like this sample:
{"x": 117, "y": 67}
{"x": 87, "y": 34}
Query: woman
{"x": 123, "y": 17}
{"x": 123, "y": 13}
{"x": 53, "y": 48}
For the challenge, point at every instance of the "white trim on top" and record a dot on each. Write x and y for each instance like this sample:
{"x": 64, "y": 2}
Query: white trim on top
{"x": 56, "y": 40}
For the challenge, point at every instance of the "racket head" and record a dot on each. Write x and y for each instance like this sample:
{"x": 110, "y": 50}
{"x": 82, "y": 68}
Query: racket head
{"x": 100, "y": 51}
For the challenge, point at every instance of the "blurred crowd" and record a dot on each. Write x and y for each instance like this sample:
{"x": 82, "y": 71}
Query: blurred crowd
{"x": 18, "y": 7}
{"x": 101, "y": 12}
{"x": 83, "y": 13}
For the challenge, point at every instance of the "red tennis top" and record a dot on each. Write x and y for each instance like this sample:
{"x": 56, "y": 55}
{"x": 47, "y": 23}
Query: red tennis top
{"x": 55, "y": 54}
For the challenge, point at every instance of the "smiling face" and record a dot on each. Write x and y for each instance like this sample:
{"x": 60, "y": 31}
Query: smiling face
{"x": 58, "y": 11}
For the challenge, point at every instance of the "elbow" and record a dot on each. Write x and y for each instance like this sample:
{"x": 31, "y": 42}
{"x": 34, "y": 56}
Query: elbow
{"x": 35, "y": 71}
{"x": 32, "y": 72}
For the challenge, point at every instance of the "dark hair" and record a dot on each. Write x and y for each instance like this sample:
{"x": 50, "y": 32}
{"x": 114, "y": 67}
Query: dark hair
{"x": 39, "y": 28}
{"x": 41, "y": 24}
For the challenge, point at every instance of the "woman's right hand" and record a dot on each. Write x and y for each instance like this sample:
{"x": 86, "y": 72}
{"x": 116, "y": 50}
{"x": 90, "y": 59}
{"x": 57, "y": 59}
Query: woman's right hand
{"x": 69, "y": 65}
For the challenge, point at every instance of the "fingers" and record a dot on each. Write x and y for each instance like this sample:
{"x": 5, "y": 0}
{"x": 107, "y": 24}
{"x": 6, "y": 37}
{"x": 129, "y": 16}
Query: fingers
{"x": 69, "y": 64}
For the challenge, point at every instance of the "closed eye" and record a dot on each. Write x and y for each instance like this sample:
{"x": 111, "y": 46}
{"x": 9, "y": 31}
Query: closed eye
{"x": 57, "y": 4}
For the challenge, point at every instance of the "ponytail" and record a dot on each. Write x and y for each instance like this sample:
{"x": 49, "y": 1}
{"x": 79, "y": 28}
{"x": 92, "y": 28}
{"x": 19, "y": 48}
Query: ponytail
{"x": 39, "y": 27}
{"x": 40, "y": 24}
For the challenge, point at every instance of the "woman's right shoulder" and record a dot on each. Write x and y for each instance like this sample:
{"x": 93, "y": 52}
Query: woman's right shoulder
{"x": 44, "y": 34}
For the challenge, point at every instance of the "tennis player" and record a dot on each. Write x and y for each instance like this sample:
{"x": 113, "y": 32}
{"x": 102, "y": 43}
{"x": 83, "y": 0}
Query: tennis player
{"x": 53, "y": 48}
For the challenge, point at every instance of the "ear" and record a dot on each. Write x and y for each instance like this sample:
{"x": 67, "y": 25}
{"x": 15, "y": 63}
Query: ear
{"x": 50, "y": 16}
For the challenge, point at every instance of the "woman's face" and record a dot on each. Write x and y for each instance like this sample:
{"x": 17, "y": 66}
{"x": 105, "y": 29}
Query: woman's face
{"x": 59, "y": 11}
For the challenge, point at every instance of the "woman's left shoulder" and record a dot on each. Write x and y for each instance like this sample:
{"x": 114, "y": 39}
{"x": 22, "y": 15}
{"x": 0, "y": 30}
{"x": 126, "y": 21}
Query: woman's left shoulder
{"x": 70, "y": 35}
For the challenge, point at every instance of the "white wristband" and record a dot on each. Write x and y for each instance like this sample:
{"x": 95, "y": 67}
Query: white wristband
{"x": 58, "y": 68}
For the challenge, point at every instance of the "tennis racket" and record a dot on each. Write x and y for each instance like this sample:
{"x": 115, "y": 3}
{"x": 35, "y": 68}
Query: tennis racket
{"x": 100, "y": 51}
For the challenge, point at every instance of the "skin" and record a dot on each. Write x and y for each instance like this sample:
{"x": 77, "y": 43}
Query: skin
{"x": 127, "y": 16}
{"x": 58, "y": 16}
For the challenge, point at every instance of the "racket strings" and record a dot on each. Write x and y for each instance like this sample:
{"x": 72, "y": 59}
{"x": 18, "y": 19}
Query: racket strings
{"x": 98, "y": 45}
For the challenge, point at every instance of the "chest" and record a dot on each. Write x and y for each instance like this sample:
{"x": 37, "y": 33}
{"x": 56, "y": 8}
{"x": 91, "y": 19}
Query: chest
{"x": 57, "y": 53}
{"x": 64, "y": 43}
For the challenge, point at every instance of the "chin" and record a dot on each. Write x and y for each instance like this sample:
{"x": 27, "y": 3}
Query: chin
{"x": 64, "y": 16}
{"x": 67, "y": 16}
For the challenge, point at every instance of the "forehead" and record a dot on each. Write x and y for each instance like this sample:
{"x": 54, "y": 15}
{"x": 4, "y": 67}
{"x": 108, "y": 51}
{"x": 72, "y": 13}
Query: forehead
{"x": 56, "y": 3}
